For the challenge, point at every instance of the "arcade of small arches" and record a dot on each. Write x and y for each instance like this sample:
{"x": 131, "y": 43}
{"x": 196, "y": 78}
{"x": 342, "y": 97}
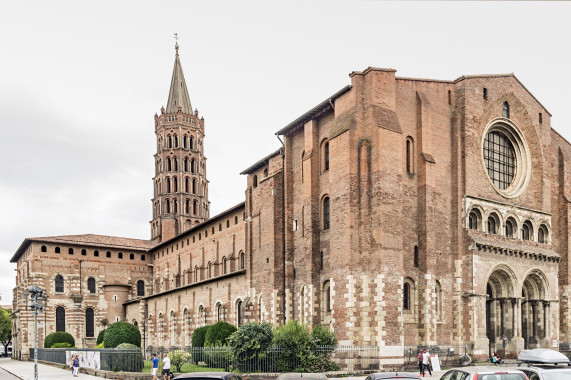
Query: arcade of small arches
{"x": 517, "y": 309}
{"x": 511, "y": 226}
{"x": 171, "y": 141}
{"x": 171, "y": 164}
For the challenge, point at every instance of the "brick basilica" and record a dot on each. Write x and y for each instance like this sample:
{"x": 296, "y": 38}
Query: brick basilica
{"x": 399, "y": 212}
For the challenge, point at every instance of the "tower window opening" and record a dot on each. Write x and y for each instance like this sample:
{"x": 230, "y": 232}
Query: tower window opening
{"x": 540, "y": 118}
{"x": 506, "y": 110}
{"x": 485, "y": 93}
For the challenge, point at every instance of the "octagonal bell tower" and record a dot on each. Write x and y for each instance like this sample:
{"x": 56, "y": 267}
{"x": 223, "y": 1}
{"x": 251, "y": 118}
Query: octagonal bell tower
{"x": 180, "y": 197}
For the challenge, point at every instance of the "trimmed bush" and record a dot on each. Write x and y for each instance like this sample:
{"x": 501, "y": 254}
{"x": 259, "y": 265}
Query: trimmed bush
{"x": 59, "y": 337}
{"x": 198, "y": 338}
{"x": 121, "y": 332}
{"x": 100, "y": 337}
{"x": 250, "y": 344}
{"x": 61, "y": 345}
{"x": 218, "y": 334}
{"x": 130, "y": 361}
{"x": 178, "y": 359}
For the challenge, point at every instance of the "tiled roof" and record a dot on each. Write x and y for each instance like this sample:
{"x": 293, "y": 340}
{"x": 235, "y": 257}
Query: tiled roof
{"x": 89, "y": 240}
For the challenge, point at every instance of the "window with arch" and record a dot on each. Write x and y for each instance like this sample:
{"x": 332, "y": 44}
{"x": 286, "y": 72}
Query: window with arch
{"x": 239, "y": 312}
{"x": 219, "y": 226}
{"x": 219, "y": 312}
{"x": 301, "y": 166}
{"x": 438, "y": 300}
{"x": 191, "y": 142}
{"x": 506, "y": 110}
{"x": 83, "y": 252}
{"x": 184, "y": 141}
{"x": 409, "y": 155}
{"x": 227, "y": 223}
{"x": 326, "y": 296}
{"x": 120, "y": 255}
{"x": 175, "y": 141}
{"x": 510, "y": 227}
{"x": 131, "y": 256}
{"x": 527, "y": 231}
{"x": 57, "y": 250}
{"x": 192, "y": 166}
{"x": 108, "y": 254}
{"x": 542, "y": 234}
{"x": 187, "y": 206}
{"x": 168, "y": 206}
{"x": 194, "y": 186}
{"x": 168, "y": 185}
{"x": 236, "y": 219}
{"x": 169, "y": 164}
{"x": 201, "y": 315}
{"x": 406, "y": 297}
{"x": 500, "y": 159}
{"x": 175, "y": 184}
{"x": 255, "y": 181}
{"x": 59, "y": 284}
{"x": 409, "y": 300}
{"x": 60, "y": 318}
{"x": 70, "y": 251}
{"x": 169, "y": 140}
{"x": 44, "y": 248}
{"x": 474, "y": 219}
{"x": 91, "y": 285}
{"x": 493, "y": 224}
{"x": 196, "y": 274}
{"x": 242, "y": 260}
{"x": 175, "y": 164}
{"x": 174, "y": 206}
{"x": 185, "y": 164}
{"x": 89, "y": 323}
{"x": 326, "y": 213}
{"x": 186, "y": 185}
{"x": 140, "y": 288}
{"x": 143, "y": 257}
{"x": 416, "y": 258}
{"x": 224, "y": 265}
{"x": 325, "y": 155}
{"x": 96, "y": 253}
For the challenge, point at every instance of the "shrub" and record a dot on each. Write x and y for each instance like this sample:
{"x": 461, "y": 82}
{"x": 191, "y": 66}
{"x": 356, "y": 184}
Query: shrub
{"x": 198, "y": 338}
{"x": 250, "y": 344}
{"x": 129, "y": 361}
{"x": 218, "y": 356}
{"x": 100, "y": 337}
{"x": 179, "y": 358}
{"x": 100, "y": 345}
{"x": 323, "y": 336}
{"x": 218, "y": 334}
{"x": 296, "y": 344}
{"x": 61, "y": 345}
{"x": 59, "y": 337}
{"x": 121, "y": 332}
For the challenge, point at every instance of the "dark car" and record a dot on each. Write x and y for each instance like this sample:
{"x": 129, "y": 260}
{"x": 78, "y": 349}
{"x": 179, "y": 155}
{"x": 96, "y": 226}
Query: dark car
{"x": 301, "y": 376}
{"x": 209, "y": 376}
{"x": 391, "y": 375}
{"x": 483, "y": 373}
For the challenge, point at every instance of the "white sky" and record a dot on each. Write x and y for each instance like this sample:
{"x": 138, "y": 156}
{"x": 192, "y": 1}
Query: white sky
{"x": 80, "y": 82}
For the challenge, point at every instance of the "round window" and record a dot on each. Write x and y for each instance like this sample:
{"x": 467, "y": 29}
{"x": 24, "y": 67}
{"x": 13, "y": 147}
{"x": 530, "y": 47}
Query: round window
{"x": 506, "y": 157}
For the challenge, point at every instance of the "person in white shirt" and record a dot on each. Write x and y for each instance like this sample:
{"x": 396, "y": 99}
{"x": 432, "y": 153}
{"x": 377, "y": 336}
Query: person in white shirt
{"x": 425, "y": 361}
{"x": 166, "y": 366}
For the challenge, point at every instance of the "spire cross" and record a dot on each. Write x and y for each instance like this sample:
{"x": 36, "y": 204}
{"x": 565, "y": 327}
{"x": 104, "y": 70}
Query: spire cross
{"x": 176, "y": 42}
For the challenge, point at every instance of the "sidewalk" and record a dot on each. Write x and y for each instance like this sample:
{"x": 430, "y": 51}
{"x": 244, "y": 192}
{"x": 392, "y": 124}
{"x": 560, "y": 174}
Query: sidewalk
{"x": 25, "y": 371}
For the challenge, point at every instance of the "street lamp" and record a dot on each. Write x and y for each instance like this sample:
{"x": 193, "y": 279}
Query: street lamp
{"x": 36, "y": 307}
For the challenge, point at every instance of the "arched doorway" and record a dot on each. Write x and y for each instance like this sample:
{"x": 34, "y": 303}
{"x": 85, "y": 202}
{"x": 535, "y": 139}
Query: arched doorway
{"x": 534, "y": 311}
{"x": 500, "y": 309}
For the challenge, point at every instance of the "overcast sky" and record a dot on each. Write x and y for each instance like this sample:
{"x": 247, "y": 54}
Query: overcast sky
{"x": 80, "y": 82}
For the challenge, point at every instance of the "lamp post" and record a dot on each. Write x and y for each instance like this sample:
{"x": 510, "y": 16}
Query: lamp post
{"x": 36, "y": 307}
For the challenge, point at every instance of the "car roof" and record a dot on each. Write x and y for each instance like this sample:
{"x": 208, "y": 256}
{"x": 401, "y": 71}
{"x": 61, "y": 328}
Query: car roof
{"x": 546, "y": 368}
{"x": 393, "y": 375}
{"x": 488, "y": 369}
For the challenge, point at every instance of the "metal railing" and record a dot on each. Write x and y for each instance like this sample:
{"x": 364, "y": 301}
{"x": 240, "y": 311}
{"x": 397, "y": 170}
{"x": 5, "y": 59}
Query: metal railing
{"x": 447, "y": 354}
{"x": 338, "y": 359}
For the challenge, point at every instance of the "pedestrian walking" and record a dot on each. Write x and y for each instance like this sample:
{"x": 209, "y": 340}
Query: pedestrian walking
{"x": 420, "y": 365}
{"x": 75, "y": 364}
{"x": 155, "y": 367}
{"x": 166, "y": 367}
{"x": 426, "y": 362}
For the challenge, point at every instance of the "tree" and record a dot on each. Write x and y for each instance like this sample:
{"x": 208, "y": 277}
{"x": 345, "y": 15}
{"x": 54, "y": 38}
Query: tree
{"x": 250, "y": 344}
{"x": 5, "y": 328}
{"x": 121, "y": 332}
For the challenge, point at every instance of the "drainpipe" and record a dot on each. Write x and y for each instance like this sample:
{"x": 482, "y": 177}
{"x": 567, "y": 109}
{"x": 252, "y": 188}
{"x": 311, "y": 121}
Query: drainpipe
{"x": 284, "y": 302}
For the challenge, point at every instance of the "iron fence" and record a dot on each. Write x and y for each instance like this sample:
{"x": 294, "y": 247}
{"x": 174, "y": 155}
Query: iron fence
{"x": 337, "y": 359}
{"x": 447, "y": 354}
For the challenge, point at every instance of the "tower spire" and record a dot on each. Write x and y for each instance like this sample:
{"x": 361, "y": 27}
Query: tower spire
{"x": 178, "y": 94}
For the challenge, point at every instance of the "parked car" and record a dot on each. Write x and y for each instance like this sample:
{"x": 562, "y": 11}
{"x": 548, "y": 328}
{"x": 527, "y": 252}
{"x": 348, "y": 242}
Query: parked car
{"x": 391, "y": 375}
{"x": 301, "y": 376}
{"x": 484, "y": 373}
{"x": 544, "y": 364}
{"x": 209, "y": 376}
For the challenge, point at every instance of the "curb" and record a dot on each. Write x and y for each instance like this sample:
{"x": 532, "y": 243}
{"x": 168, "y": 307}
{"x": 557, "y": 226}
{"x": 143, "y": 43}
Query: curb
{"x": 11, "y": 373}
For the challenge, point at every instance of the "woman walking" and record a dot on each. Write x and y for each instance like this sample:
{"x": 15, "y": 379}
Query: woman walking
{"x": 75, "y": 364}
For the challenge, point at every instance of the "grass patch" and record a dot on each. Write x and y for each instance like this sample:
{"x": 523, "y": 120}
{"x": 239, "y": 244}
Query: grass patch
{"x": 186, "y": 368}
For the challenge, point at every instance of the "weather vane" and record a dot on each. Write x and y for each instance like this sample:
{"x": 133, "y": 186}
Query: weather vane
{"x": 176, "y": 42}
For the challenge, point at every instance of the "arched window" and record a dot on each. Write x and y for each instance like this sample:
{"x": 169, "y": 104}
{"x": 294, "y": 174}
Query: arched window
{"x": 236, "y": 220}
{"x": 96, "y": 253}
{"x": 438, "y": 300}
{"x": 44, "y": 249}
{"x": 406, "y": 296}
{"x": 506, "y": 110}
{"x": 140, "y": 288}
{"x": 219, "y": 312}
{"x": 265, "y": 173}
{"x": 187, "y": 206}
{"x": 57, "y": 250}
{"x": 416, "y": 259}
{"x": 493, "y": 224}
{"x": 239, "y": 313}
{"x": 120, "y": 255}
{"x": 83, "y": 252}
{"x": 131, "y": 256}
{"x": 192, "y": 166}
{"x": 186, "y": 185}
{"x": 255, "y": 181}
{"x": 168, "y": 185}
{"x": 175, "y": 164}
{"x": 169, "y": 165}
{"x": 142, "y": 257}
{"x": 194, "y": 186}
{"x": 59, "y": 284}
{"x": 70, "y": 251}
{"x": 175, "y": 184}
{"x": 326, "y": 216}
{"x": 510, "y": 227}
{"x": 326, "y": 295}
{"x": 184, "y": 142}
{"x": 194, "y": 207}
{"x": 527, "y": 231}
{"x": 191, "y": 142}
{"x": 542, "y": 234}
{"x": 168, "y": 206}
{"x": 174, "y": 206}
{"x": 224, "y": 265}
{"x": 89, "y": 323}
{"x": 474, "y": 219}
{"x": 176, "y": 141}
{"x": 60, "y": 318}
{"x": 242, "y": 261}
{"x": 219, "y": 226}
{"x": 209, "y": 269}
{"x": 91, "y": 285}
{"x": 185, "y": 164}
{"x": 409, "y": 155}
{"x": 325, "y": 155}
{"x": 169, "y": 139}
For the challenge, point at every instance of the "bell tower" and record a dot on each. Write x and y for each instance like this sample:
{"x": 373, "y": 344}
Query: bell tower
{"x": 180, "y": 198}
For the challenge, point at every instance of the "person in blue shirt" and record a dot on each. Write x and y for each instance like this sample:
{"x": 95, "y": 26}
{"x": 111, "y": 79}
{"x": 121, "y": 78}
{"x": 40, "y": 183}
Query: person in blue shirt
{"x": 155, "y": 367}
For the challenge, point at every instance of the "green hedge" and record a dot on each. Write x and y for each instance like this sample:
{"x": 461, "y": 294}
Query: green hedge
{"x": 100, "y": 337}
{"x": 127, "y": 361}
{"x": 121, "y": 332}
{"x": 218, "y": 334}
{"x": 198, "y": 338}
{"x": 61, "y": 345}
{"x": 59, "y": 337}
